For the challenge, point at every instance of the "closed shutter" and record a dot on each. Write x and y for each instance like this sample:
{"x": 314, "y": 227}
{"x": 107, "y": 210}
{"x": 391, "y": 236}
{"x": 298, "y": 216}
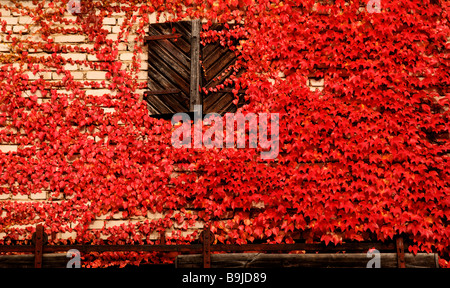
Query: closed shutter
{"x": 177, "y": 63}
{"x": 216, "y": 62}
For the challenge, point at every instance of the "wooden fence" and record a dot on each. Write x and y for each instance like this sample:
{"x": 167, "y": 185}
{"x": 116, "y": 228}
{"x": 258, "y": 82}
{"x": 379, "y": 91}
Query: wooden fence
{"x": 393, "y": 254}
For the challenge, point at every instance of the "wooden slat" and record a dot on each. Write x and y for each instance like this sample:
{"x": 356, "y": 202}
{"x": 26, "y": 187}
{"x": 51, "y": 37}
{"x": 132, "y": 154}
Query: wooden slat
{"x": 162, "y": 92}
{"x": 161, "y": 37}
{"x": 166, "y": 103}
{"x": 195, "y": 96}
{"x": 315, "y": 247}
{"x": 183, "y": 28}
{"x": 217, "y": 60}
{"x": 220, "y": 65}
{"x": 158, "y": 81}
{"x": 174, "y": 77}
{"x": 400, "y": 253}
{"x": 249, "y": 260}
{"x": 54, "y": 260}
{"x": 210, "y": 51}
{"x": 218, "y": 102}
{"x": 38, "y": 246}
{"x": 326, "y": 260}
{"x": 166, "y": 48}
{"x": 221, "y": 57}
{"x": 169, "y": 67}
{"x": 214, "y": 81}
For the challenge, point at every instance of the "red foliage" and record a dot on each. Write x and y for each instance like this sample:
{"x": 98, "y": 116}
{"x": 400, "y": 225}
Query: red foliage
{"x": 366, "y": 158}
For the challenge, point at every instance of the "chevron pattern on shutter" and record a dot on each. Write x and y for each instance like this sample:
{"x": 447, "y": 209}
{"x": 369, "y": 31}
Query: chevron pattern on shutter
{"x": 169, "y": 65}
{"x": 169, "y": 72}
{"x": 217, "y": 62}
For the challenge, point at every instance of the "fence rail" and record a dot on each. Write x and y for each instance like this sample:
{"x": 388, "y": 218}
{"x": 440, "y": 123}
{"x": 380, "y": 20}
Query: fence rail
{"x": 205, "y": 248}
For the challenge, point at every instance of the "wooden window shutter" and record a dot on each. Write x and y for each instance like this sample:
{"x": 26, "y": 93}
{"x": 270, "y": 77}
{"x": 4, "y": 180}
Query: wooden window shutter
{"x": 178, "y": 65}
{"x": 217, "y": 60}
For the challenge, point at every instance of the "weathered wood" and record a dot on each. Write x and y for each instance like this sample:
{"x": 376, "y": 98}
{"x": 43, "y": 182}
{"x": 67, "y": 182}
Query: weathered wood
{"x": 400, "y": 253}
{"x": 169, "y": 67}
{"x": 171, "y": 72}
{"x": 219, "y": 102}
{"x": 38, "y": 245}
{"x": 195, "y": 96}
{"x": 174, "y": 64}
{"x": 217, "y": 62}
{"x": 206, "y": 248}
{"x": 313, "y": 247}
{"x": 326, "y": 260}
{"x": 54, "y": 260}
{"x": 161, "y": 92}
{"x": 209, "y": 60}
{"x": 162, "y": 37}
{"x": 182, "y": 43}
{"x": 250, "y": 260}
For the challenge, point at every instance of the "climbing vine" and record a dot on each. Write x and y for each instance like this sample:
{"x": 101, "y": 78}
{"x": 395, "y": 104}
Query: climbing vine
{"x": 365, "y": 158}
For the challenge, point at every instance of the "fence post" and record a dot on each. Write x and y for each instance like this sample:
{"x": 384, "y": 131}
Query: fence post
{"x": 38, "y": 246}
{"x": 162, "y": 238}
{"x": 400, "y": 252}
{"x": 206, "y": 247}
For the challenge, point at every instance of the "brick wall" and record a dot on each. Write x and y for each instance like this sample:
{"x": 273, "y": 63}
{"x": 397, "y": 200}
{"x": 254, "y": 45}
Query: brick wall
{"x": 17, "y": 23}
